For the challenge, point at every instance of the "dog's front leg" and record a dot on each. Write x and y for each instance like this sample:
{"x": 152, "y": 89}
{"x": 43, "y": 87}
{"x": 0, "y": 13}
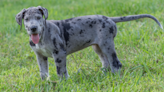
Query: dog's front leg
{"x": 43, "y": 65}
{"x": 60, "y": 61}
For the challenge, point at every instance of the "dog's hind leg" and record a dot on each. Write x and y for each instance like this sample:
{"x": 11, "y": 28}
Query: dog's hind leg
{"x": 43, "y": 65}
{"x": 103, "y": 58}
{"x": 108, "y": 49}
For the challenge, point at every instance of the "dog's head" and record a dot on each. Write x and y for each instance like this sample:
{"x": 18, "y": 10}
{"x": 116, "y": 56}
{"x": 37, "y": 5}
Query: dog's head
{"x": 33, "y": 21}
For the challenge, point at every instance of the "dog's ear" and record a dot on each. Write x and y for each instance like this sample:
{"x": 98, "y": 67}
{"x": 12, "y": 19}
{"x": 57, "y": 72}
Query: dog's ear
{"x": 19, "y": 17}
{"x": 44, "y": 11}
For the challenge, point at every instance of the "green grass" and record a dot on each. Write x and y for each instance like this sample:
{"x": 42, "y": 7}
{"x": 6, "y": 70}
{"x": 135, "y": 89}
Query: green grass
{"x": 139, "y": 46}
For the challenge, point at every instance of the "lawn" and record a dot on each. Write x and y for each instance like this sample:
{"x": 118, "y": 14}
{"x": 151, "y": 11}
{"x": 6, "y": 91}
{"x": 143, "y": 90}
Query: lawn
{"x": 139, "y": 46}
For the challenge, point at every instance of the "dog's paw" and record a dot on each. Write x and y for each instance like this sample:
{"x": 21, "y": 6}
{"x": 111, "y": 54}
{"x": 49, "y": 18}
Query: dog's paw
{"x": 116, "y": 66}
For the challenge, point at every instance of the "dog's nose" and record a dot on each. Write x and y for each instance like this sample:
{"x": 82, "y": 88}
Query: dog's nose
{"x": 34, "y": 28}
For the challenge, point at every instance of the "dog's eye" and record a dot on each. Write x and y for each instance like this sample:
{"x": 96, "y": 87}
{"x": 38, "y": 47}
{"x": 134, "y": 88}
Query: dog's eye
{"x": 38, "y": 18}
{"x": 26, "y": 19}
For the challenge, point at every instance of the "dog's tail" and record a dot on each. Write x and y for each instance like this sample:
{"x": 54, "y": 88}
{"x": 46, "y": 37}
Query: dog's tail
{"x": 134, "y": 17}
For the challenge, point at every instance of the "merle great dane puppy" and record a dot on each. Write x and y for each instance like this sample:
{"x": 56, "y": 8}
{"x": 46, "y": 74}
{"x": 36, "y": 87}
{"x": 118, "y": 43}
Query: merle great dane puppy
{"x": 59, "y": 38}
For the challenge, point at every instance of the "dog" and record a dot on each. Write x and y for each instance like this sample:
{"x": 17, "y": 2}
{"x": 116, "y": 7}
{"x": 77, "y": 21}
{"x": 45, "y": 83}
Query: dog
{"x": 59, "y": 38}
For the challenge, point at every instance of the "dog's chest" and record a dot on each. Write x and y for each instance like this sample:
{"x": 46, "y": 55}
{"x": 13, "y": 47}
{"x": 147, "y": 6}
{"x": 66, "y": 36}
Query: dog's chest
{"x": 42, "y": 50}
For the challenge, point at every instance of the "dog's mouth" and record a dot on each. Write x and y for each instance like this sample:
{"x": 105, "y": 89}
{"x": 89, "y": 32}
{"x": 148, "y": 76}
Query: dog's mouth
{"x": 35, "y": 38}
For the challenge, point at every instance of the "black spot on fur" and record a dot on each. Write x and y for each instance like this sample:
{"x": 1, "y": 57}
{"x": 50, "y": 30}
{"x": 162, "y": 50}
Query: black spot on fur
{"x": 58, "y": 70}
{"x": 66, "y": 27}
{"x": 57, "y": 23}
{"x": 87, "y": 22}
{"x": 105, "y": 18}
{"x": 111, "y": 30}
{"x": 115, "y": 61}
{"x": 49, "y": 30}
{"x": 88, "y": 41}
{"x": 108, "y": 22}
{"x": 45, "y": 58}
{"x": 62, "y": 47}
{"x": 43, "y": 28}
{"x": 68, "y": 46}
{"x": 93, "y": 22}
{"x": 67, "y": 20}
{"x": 32, "y": 44}
{"x": 78, "y": 19}
{"x": 58, "y": 60}
{"x": 100, "y": 20}
{"x": 89, "y": 18}
{"x": 122, "y": 18}
{"x": 90, "y": 25}
{"x": 65, "y": 72}
{"x": 81, "y": 31}
{"x": 55, "y": 51}
{"x": 100, "y": 30}
{"x": 74, "y": 22}
{"x": 54, "y": 42}
{"x": 103, "y": 25}
{"x": 72, "y": 34}
{"x": 114, "y": 56}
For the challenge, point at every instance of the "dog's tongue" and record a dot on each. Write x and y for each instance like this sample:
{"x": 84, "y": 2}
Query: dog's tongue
{"x": 35, "y": 38}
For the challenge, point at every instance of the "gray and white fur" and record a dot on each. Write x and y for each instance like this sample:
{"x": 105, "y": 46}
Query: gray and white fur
{"x": 59, "y": 38}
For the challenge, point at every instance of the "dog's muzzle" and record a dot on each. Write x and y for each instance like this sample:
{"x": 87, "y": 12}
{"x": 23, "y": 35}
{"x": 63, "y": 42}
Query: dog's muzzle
{"x": 34, "y": 28}
{"x": 34, "y": 36}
